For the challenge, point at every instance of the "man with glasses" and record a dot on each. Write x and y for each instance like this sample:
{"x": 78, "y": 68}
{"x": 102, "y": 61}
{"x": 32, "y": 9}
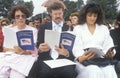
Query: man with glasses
{"x": 40, "y": 69}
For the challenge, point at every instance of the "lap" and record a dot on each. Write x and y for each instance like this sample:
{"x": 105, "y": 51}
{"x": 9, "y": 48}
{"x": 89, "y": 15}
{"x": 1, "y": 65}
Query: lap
{"x": 41, "y": 70}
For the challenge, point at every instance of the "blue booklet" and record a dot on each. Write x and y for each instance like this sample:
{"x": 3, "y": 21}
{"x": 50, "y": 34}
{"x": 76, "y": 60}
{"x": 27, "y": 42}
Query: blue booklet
{"x": 25, "y": 39}
{"x": 67, "y": 39}
{"x": 55, "y": 38}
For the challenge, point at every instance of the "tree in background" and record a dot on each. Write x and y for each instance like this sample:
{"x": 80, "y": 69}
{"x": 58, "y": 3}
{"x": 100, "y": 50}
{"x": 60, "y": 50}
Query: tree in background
{"x": 5, "y": 6}
{"x": 72, "y": 6}
{"x": 109, "y": 8}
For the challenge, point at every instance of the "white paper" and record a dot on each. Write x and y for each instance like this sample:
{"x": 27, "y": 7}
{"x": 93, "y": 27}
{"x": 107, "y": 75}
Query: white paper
{"x": 10, "y": 39}
{"x": 59, "y": 63}
{"x": 99, "y": 52}
{"x": 52, "y": 38}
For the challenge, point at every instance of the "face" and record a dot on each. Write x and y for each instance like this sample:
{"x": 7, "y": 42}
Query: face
{"x": 20, "y": 18}
{"x": 91, "y": 18}
{"x": 74, "y": 20}
{"x": 57, "y": 15}
{"x": 37, "y": 23}
{"x": 4, "y": 23}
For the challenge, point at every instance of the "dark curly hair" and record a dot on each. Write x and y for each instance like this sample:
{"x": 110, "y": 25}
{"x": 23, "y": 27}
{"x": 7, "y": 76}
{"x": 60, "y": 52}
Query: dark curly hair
{"x": 22, "y": 8}
{"x": 91, "y": 8}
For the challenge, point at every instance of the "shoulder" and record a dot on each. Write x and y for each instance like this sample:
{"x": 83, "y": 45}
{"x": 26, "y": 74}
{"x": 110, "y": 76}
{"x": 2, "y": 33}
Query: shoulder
{"x": 102, "y": 27}
{"x": 30, "y": 28}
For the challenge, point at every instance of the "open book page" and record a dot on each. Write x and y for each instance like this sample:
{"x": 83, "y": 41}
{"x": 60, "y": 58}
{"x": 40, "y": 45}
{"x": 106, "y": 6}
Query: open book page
{"x": 10, "y": 38}
{"x": 23, "y": 39}
{"x": 99, "y": 52}
{"x": 59, "y": 63}
{"x": 52, "y": 38}
{"x": 55, "y": 38}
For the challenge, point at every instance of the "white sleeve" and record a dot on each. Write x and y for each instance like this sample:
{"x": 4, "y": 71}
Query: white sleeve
{"x": 77, "y": 48}
{"x": 108, "y": 42}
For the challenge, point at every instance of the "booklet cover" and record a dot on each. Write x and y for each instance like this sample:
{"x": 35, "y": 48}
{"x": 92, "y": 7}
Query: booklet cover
{"x": 23, "y": 39}
{"x": 55, "y": 38}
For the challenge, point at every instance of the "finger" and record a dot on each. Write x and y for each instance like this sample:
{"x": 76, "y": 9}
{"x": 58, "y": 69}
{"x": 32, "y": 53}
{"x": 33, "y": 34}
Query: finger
{"x": 91, "y": 56}
{"x": 62, "y": 46}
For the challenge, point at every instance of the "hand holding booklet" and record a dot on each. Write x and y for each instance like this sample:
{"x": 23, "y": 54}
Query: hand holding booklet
{"x": 55, "y": 38}
{"x": 99, "y": 52}
{"x": 23, "y": 39}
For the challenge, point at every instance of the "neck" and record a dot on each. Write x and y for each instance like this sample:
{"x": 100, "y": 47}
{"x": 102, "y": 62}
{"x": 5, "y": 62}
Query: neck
{"x": 20, "y": 27}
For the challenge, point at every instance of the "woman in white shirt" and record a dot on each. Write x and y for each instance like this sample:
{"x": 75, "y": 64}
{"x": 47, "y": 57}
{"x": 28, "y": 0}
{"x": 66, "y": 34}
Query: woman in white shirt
{"x": 92, "y": 33}
{"x": 16, "y": 62}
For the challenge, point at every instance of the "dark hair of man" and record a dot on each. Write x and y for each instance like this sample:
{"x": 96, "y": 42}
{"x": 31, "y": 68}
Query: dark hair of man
{"x": 56, "y": 6}
{"x": 91, "y": 8}
{"x": 22, "y": 8}
{"x": 38, "y": 18}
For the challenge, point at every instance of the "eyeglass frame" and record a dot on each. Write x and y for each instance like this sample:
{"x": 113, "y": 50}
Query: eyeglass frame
{"x": 18, "y": 16}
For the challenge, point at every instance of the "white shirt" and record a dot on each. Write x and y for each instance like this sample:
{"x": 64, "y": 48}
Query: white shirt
{"x": 56, "y": 27}
{"x": 84, "y": 39}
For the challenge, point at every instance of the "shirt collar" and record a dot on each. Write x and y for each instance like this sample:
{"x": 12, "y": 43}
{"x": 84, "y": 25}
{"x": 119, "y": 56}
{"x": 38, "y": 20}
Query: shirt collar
{"x": 60, "y": 24}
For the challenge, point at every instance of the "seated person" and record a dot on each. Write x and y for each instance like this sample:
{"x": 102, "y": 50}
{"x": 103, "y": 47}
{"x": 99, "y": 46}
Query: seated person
{"x": 40, "y": 69}
{"x": 18, "y": 62}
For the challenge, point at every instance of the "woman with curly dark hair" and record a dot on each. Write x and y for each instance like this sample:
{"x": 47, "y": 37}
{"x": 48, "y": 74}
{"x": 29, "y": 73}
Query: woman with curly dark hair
{"x": 93, "y": 36}
{"x": 16, "y": 62}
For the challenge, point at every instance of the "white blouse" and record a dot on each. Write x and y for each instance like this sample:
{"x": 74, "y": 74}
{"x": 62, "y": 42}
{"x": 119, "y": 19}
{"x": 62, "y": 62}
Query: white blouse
{"x": 84, "y": 39}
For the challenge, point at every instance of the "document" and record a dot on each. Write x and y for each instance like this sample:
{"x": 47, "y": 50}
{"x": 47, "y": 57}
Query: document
{"x": 99, "y": 52}
{"x": 55, "y": 38}
{"x": 59, "y": 63}
{"x": 23, "y": 39}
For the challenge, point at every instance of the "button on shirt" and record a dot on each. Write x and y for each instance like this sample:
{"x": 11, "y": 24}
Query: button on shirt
{"x": 58, "y": 28}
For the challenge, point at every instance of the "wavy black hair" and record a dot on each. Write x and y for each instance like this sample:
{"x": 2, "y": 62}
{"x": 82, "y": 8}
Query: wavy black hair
{"x": 91, "y": 8}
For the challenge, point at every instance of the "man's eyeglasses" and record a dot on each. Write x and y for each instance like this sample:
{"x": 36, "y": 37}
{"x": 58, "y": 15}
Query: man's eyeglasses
{"x": 18, "y": 16}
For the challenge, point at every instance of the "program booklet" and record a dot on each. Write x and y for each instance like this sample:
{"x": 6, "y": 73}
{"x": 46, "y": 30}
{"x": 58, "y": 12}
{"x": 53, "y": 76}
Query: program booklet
{"x": 55, "y": 38}
{"x": 23, "y": 39}
{"x": 99, "y": 52}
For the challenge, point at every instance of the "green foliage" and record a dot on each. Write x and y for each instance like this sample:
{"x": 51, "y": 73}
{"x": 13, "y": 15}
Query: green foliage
{"x": 109, "y": 8}
{"x": 5, "y": 6}
{"x": 72, "y": 7}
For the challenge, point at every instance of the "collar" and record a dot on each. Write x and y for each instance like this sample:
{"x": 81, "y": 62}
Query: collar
{"x": 60, "y": 24}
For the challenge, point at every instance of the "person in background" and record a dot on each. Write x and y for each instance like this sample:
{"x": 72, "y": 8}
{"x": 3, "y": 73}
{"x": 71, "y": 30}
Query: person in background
{"x": 46, "y": 19}
{"x": 37, "y": 22}
{"x": 74, "y": 17}
{"x": 40, "y": 69}
{"x": 18, "y": 62}
{"x": 93, "y": 33}
{"x": 68, "y": 23}
{"x": 115, "y": 34}
{"x": 4, "y": 22}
